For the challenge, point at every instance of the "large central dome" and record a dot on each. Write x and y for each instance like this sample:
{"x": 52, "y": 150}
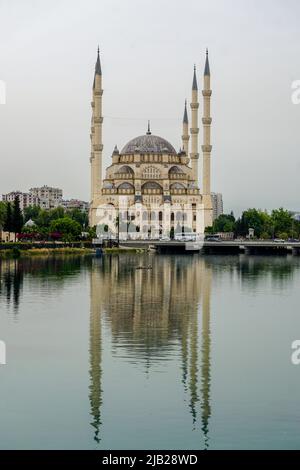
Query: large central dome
{"x": 148, "y": 144}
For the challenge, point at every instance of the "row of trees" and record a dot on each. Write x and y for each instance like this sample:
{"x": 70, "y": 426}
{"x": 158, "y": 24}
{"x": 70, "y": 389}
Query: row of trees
{"x": 47, "y": 224}
{"x": 277, "y": 224}
{"x": 11, "y": 217}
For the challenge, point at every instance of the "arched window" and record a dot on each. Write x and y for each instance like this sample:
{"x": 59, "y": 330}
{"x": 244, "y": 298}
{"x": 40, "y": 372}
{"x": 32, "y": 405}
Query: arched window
{"x": 174, "y": 170}
{"x": 152, "y": 187}
{"x": 177, "y": 186}
{"x": 125, "y": 169}
{"x": 126, "y": 186}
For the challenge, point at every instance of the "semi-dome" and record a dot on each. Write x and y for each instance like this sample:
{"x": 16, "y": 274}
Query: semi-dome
{"x": 148, "y": 144}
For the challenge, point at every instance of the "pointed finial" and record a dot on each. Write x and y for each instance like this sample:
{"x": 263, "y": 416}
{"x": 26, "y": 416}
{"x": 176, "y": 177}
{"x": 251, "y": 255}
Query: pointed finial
{"x": 148, "y": 131}
{"x": 206, "y": 68}
{"x": 194, "y": 86}
{"x": 98, "y": 64}
{"x": 185, "y": 115}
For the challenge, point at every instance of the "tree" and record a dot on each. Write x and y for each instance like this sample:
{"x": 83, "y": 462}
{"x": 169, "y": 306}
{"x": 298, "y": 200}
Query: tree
{"x": 56, "y": 213}
{"x": 282, "y": 221}
{"x": 253, "y": 218}
{"x": 8, "y": 225}
{"x": 70, "y": 229}
{"x": 31, "y": 212}
{"x": 17, "y": 216}
{"x": 43, "y": 220}
{"x": 2, "y": 214}
{"x": 80, "y": 216}
{"x": 224, "y": 223}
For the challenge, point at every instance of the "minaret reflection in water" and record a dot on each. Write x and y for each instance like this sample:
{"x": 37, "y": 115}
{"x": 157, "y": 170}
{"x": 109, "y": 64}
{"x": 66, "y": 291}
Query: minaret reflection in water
{"x": 148, "y": 312}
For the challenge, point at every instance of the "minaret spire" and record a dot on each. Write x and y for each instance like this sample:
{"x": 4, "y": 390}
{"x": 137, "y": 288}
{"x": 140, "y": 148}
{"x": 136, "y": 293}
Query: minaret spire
{"x": 194, "y": 129}
{"x": 195, "y": 85}
{"x": 206, "y": 147}
{"x": 96, "y": 140}
{"x": 98, "y": 70}
{"x": 185, "y": 131}
{"x": 206, "y": 68}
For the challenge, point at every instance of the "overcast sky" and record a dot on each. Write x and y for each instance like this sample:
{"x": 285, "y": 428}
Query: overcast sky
{"x": 148, "y": 48}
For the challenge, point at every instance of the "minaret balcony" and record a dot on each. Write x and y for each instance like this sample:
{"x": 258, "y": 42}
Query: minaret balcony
{"x": 98, "y": 147}
{"x": 206, "y": 121}
{"x": 207, "y": 93}
{"x": 206, "y": 148}
{"x": 98, "y": 120}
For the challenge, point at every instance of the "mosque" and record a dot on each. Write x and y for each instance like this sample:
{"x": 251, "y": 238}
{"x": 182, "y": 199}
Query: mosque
{"x": 148, "y": 180}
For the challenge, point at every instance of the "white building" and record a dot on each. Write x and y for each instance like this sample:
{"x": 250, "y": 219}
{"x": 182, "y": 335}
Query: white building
{"x": 217, "y": 204}
{"x": 26, "y": 199}
{"x": 75, "y": 204}
{"x": 48, "y": 198}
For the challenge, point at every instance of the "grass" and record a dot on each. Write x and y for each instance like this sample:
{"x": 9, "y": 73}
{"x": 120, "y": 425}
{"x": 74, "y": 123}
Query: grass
{"x": 124, "y": 250}
{"x": 16, "y": 252}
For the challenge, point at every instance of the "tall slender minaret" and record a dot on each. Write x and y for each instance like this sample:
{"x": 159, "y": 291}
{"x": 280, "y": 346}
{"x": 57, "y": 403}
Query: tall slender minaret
{"x": 194, "y": 129}
{"x": 185, "y": 131}
{"x": 96, "y": 141}
{"x": 206, "y": 147}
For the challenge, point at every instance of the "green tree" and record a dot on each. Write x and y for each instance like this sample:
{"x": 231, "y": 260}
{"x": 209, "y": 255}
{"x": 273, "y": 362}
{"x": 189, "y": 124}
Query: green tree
{"x": 2, "y": 214}
{"x": 56, "y": 213}
{"x": 17, "y": 217}
{"x": 253, "y": 218}
{"x": 70, "y": 229}
{"x": 43, "y": 220}
{"x": 31, "y": 212}
{"x": 282, "y": 221}
{"x": 80, "y": 216}
{"x": 8, "y": 225}
{"x": 224, "y": 223}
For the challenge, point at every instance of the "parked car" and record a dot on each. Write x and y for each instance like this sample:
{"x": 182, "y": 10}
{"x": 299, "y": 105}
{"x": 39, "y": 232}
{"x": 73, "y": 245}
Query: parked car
{"x": 279, "y": 240}
{"x": 212, "y": 239}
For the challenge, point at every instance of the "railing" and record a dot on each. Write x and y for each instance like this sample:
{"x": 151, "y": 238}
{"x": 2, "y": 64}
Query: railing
{"x": 178, "y": 176}
{"x": 126, "y": 191}
{"x": 123, "y": 176}
{"x": 177, "y": 191}
{"x": 109, "y": 191}
{"x": 152, "y": 191}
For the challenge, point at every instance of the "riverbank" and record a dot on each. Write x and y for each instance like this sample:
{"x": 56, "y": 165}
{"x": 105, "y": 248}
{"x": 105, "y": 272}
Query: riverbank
{"x": 16, "y": 252}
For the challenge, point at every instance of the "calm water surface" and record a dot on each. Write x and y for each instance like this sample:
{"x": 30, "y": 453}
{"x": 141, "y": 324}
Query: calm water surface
{"x": 193, "y": 354}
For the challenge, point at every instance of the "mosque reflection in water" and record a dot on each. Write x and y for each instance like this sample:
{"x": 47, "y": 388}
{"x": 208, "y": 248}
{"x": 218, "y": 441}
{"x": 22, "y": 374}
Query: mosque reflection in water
{"x": 148, "y": 311}
{"x": 150, "y": 316}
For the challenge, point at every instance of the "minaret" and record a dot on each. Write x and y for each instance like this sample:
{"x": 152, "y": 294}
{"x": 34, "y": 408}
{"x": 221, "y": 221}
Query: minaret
{"x": 96, "y": 140}
{"x": 185, "y": 131}
{"x": 206, "y": 147}
{"x": 194, "y": 129}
